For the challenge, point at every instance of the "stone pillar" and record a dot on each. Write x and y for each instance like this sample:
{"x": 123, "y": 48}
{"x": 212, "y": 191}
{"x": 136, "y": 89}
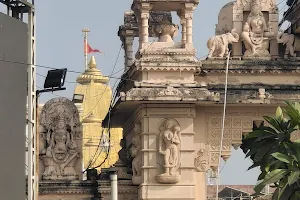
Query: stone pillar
{"x": 188, "y": 14}
{"x": 237, "y": 48}
{"x": 273, "y": 23}
{"x": 201, "y": 188}
{"x": 183, "y": 26}
{"x": 129, "y": 37}
{"x": 144, "y": 23}
{"x": 156, "y": 121}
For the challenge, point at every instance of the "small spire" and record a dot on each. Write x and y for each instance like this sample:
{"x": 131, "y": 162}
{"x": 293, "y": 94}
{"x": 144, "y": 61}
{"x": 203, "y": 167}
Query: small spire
{"x": 92, "y": 64}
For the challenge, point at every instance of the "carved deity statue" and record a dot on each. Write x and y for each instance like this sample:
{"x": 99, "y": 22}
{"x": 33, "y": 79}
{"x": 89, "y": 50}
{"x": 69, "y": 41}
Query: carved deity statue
{"x": 137, "y": 156}
{"x": 61, "y": 131}
{"x": 165, "y": 31}
{"x": 169, "y": 147}
{"x": 256, "y": 32}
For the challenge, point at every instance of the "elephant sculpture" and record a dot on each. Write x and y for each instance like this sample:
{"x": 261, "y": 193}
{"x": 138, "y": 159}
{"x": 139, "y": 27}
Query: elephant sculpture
{"x": 218, "y": 45}
{"x": 291, "y": 42}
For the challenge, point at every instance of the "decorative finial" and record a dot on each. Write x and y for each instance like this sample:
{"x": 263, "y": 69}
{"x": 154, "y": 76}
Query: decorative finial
{"x": 86, "y": 30}
{"x": 92, "y": 64}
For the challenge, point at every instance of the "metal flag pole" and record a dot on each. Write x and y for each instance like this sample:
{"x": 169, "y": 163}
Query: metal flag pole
{"x": 85, "y": 32}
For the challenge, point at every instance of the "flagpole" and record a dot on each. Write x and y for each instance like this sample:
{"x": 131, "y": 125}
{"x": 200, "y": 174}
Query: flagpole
{"x": 85, "y": 32}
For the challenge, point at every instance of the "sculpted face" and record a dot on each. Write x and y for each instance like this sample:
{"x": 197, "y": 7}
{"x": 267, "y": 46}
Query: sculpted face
{"x": 168, "y": 125}
{"x": 60, "y": 148}
{"x": 256, "y": 10}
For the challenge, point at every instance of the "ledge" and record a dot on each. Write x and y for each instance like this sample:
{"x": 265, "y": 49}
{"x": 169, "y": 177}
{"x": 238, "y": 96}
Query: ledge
{"x": 279, "y": 66}
{"x": 169, "y": 94}
{"x": 67, "y": 187}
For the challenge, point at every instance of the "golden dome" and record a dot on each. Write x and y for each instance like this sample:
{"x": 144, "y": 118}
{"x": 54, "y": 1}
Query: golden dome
{"x": 92, "y": 74}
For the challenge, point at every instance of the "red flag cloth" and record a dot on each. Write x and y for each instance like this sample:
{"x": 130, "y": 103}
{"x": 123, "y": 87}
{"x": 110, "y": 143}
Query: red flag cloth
{"x": 88, "y": 49}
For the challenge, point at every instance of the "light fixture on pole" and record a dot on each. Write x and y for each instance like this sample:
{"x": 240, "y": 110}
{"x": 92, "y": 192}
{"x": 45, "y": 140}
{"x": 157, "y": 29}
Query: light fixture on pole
{"x": 78, "y": 98}
{"x": 55, "y": 81}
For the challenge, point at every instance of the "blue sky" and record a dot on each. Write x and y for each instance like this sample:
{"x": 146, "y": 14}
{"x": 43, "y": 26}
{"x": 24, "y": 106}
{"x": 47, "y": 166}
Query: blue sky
{"x": 59, "y": 44}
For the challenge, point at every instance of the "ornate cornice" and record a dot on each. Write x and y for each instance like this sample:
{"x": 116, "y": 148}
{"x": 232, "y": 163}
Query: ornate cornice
{"x": 169, "y": 94}
{"x": 281, "y": 66}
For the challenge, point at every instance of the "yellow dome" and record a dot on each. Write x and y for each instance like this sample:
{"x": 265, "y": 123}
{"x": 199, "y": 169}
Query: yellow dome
{"x": 92, "y": 74}
{"x": 96, "y": 102}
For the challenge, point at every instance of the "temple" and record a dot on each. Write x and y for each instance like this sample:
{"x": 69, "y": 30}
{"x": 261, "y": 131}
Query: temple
{"x": 173, "y": 103}
{"x": 170, "y": 105}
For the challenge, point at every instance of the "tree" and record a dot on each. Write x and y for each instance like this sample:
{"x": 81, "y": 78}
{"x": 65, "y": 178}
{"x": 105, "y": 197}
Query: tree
{"x": 270, "y": 148}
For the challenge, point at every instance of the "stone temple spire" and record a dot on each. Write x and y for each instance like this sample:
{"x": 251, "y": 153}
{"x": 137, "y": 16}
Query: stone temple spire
{"x": 92, "y": 74}
{"x": 93, "y": 85}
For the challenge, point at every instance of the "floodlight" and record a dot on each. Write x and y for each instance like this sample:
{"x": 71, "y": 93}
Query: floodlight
{"x": 78, "y": 98}
{"x": 55, "y": 78}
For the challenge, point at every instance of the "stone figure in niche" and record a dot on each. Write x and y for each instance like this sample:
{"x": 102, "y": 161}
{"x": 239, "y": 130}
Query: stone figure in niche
{"x": 256, "y": 32}
{"x": 291, "y": 42}
{"x": 124, "y": 154}
{"x": 169, "y": 147}
{"x": 62, "y": 140}
{"x": 201, "y": 161}
{"x": 218, "y": 45}
{"x": 137, "y": 155}
{"x": 165, "y": 30}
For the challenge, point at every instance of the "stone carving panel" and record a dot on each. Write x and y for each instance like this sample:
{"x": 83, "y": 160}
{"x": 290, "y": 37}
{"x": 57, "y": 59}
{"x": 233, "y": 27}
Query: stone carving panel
{"x": 137, "y": 155}
{"x": 61, "y": 147}
{"x": 169, "y": 140}
{"x": 235, "y": 124}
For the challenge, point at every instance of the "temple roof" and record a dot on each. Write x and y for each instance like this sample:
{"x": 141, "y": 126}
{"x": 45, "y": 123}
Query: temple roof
{"x": 92, "y": 74}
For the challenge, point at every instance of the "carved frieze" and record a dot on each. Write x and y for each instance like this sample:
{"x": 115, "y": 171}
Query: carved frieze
{"x": 170, "y": 93}
{"x": 235, "y": 124}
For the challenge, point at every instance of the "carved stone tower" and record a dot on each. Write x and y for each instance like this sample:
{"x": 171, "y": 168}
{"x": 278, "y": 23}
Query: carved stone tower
{"x": 158, "y": 102}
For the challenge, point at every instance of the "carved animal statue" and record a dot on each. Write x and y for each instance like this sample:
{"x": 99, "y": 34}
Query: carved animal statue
{"x": 291, "y": 42}
{"x": 218, "y": 45}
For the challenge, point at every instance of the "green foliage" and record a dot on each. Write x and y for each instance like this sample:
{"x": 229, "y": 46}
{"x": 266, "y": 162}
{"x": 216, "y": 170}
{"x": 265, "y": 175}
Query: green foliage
{"x": 270, "y": 148}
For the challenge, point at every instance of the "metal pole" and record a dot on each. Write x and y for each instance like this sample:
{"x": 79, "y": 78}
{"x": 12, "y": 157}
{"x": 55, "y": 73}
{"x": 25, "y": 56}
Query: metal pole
{"x": 85, "y": 32}
{"x": 114, "y": 184}
{"x": 32, "y": 175}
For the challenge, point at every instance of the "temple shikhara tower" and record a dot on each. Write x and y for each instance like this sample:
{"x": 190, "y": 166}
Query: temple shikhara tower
{"x": 170, "y": 105}
{"x": 96, "y": 102}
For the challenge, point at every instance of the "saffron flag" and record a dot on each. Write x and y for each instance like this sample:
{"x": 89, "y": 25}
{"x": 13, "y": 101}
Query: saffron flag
{"x": 88, "y": 49}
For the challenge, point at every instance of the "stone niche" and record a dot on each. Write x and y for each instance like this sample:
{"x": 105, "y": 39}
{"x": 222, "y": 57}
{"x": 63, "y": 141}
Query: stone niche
{"x": 60, "y": 144}
{"x": 255, "y": 22}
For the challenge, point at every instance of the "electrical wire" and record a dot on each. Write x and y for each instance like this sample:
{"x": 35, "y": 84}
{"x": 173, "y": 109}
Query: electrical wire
{"x": 223, "y": 125}
{"x": 91, "y": 161}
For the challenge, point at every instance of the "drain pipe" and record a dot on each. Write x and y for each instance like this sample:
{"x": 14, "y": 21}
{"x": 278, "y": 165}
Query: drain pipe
{"x": 113, "y": 183}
